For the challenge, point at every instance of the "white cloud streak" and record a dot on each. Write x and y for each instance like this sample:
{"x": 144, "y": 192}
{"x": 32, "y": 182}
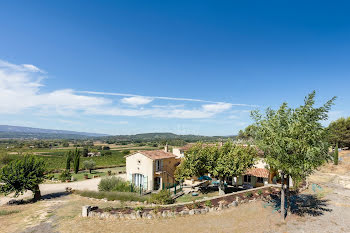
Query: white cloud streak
{"x": 21, "y": 90}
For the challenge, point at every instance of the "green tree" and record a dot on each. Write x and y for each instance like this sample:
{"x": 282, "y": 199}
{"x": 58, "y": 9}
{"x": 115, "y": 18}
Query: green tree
{"x": 68, "y": 160}
{"x": 336, "y": 155}
{"x": 221, "y": 162}
{"x": 293, "y": 140}
{"x": 21, "y": 175}
{"x": 85, "y": 152}
{"x": 248, "y": 134}
{"x": 233, "y": 161}
{"x": 89, "y": 165}
{"x": 339, "y": 132}
{"x": 76, "y": 160}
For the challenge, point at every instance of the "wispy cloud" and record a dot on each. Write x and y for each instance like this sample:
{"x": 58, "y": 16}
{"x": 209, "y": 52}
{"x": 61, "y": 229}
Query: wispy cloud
{"x": 21, "y": 89}
{"x": 136, "y": 100}
{"x": 164, "y": 98}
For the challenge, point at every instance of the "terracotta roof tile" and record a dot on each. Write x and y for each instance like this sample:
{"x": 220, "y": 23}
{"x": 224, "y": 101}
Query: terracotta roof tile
{"x": 157, "y": 154}
{"x": 258, "y": 172}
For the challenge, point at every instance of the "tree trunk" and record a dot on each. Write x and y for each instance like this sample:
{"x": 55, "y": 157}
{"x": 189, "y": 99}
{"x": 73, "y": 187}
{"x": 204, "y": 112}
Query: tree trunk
{"x": 282, "y": 197}
{"x": 222, "y": 186}
{"x": 37, "y": 194}
{"x": 90, "y": 171}
{"x": 288, "y": 194}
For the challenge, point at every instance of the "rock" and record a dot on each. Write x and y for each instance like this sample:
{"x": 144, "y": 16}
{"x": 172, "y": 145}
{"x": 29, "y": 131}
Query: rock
{"x": 234, "y": 203}
{"x": 144, "y": 215}
{"x": 191, "y": 212}
{"x": 85, "y": 210}
{"x": 149, "y": 216}
{"x": 212, "y": 209}
{"x": 207, "y": 209}
{"x": 221, "y": 206}
{"x": 203, "y": 211}
{"x": 170, "y": 214}
{"x": 132, "y": 216}
{"x": 145, "y": 202}
{"x": 197, "y": 211}
{"x": 138, "y": 214}
{"x": 164, "y": 214}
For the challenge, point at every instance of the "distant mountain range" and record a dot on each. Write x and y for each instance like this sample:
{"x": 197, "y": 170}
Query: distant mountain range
{"x": 10, "y": 131}
{"x": 20, "y": 132}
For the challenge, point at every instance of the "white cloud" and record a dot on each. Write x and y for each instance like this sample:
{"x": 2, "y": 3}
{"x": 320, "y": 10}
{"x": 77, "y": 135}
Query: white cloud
{"x": 219, "y": 107}
{"x": 21, "y": 89}
{"x": 137, "y": 100}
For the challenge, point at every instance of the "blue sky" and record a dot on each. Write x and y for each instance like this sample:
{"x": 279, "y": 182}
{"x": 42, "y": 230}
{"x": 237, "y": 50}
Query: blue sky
{"x": 188, "y": 67}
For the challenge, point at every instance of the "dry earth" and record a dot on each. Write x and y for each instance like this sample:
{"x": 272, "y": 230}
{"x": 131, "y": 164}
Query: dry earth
{"x": 325, "y": 208}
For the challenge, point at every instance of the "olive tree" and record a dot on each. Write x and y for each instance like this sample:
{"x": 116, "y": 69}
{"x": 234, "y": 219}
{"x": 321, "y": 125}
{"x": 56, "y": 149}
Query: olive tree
{"x": 294, "y": 141}
{"x": 89, "y": 165}
{"x": 21, "y": 175}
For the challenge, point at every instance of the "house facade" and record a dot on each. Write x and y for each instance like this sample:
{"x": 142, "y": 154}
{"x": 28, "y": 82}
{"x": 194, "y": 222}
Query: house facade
{"x": 151, "y": 170}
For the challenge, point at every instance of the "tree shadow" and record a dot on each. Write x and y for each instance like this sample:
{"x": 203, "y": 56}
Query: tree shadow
{"x": 31, "y": 200}
{"x": 302, "y": 204}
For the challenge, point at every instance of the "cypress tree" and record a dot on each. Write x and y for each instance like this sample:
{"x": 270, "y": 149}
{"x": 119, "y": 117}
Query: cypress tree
{"x": 336, "y": 156}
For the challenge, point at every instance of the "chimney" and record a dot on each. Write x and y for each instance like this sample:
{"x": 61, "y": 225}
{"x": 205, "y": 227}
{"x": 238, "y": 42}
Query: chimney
{"x": 166, "y": 147}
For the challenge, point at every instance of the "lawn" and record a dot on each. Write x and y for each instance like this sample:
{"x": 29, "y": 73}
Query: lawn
{"x": 98, "y": 172}
{"x": 189, "y": 197}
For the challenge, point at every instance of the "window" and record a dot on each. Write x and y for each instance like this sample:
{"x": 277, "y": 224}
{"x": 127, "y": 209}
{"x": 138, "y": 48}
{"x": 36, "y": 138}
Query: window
{"x": 138, "y": 162}
{"x": 247, "y": 178}
{"x": 159, "y": 165}
{"x": 260, "y": 180}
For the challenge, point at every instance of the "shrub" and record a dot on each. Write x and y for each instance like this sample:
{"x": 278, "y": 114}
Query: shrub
{"x": 115, "y": 184}
{"x": 260, "y": 192}
{"x": 163, "y": 198}
{"x": 138, "y": 208}
{"x": 126, "y": 152}
{"x": 49, "y": 176}
{"x": 89, "y": 165}
{"x": 208, "y": 203}
{"x": 65, "y": 175}
{"x": 5, "y": 159}
{"x": 248, "y": 194}
{"x": 106, "y": 148}
{"x": 112, "y": 196}
{"x": 106, "y": 153}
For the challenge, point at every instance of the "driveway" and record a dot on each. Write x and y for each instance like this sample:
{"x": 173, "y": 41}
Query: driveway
{"x": 45, "y": 189}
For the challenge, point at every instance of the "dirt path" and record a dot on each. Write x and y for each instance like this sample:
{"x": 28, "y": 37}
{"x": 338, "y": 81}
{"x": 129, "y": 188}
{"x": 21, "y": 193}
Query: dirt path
{"x": 46, "y": 189}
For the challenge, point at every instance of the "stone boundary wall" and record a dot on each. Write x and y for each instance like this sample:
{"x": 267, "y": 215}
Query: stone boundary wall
{"x": 182, "y": 209}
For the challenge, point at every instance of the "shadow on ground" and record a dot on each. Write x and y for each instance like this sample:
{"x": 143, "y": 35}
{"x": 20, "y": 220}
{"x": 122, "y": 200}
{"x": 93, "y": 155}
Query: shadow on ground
{"x": 302, "y": 204}
{"x": 44, "y": 197}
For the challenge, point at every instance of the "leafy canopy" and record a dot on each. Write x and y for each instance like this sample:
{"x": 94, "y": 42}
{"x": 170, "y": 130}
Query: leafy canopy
{"x": 339, "y": 132}
{"x": 293, "y": 140}
{"x": 21, "y": 175}
{"x": 228, "y": 160}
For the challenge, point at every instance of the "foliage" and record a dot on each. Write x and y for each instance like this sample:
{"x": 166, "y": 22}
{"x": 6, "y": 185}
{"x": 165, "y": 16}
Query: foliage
{"x": 76, "y": 160}
{"x": 5, "y": 159}
{"x": 65, "y": 175}
{"x": 293, "y": 140}
{"x": 248, "y": 194}
{"x": 89, "y": 165}
{"x": 115, "y": 184}
{"x": 248, "y": 134}
{"x": 138, "y": 208}
{"x": 208, "y": 203}
{"x": 162, "y": 198}
{"x": 21, "y": 175}
{"x": 85, "y": 152}
{"x": 221, "y": 162}
{"x": 336, "y": 155}
{"x": 68, "y": 159}
{"x": 260, "y": 192}
{"x": 112, "y": 196}
{"x": 339, "y": 132}
{"x": 126, "y": 152}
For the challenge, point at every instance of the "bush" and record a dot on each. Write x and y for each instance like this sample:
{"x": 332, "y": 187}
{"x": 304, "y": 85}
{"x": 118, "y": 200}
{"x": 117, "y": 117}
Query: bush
{"x": 336, "y": 155}
{"x": 65, "y": 175}
{"x": 106, "y": 148}
{"x": 112, "y": 196}
{"x": 138, "y": 208}
{"x": 208, "y": 203}
{"x": 115, "y": 184}
{"x": 248, "y": 194}
{"x": 260, "y": 192}
{"x": 5, "y": 159}
{"x": 163, "y": 198}
{"x": 126, "y": 152}
{"x": 106, "y": 153}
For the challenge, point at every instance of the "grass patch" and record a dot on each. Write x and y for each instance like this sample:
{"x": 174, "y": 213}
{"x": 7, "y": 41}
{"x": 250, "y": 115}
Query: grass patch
{"x": 189, "y": 197}
{"x": 8, "y": 212}
{"x": 112, "y": 196}
{"x": 98, "y": 172}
